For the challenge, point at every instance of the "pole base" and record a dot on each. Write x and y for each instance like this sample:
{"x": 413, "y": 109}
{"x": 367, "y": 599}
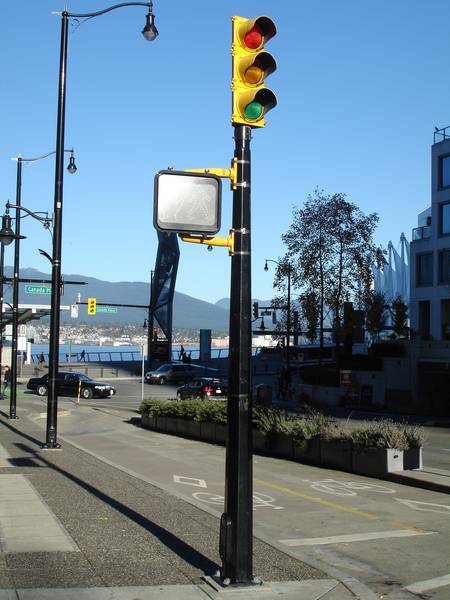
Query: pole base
{"x": 13, "y": 417}
{"x": 224, "y": 585}
{"x": 51, "y": 446}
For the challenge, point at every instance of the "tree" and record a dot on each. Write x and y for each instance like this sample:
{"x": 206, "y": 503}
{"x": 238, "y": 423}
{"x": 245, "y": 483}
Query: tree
{"x": 399, "y": 317}
{"x": 375, "y": 313}
{"x": 309, "y": 304}
{"x": 330, "y": 243}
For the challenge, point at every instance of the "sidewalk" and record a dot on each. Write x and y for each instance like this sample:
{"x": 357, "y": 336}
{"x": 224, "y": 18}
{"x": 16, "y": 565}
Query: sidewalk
{"x": 72, "y": 526}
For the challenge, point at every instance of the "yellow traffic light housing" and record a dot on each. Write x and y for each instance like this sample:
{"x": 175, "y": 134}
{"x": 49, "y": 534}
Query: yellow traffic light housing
{"x": 251, "y": 65}
{"x": 92, "y": 306}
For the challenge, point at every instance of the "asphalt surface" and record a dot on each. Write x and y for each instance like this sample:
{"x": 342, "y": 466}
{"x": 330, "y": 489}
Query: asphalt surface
{"x": 131, "y": 538}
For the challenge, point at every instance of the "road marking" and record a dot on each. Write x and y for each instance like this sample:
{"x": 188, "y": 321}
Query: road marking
{"x": 416, "y": 505}
{"x": 347, "y": 488}
{"x": 328, "y": 504}
{"x": 259, "y": 500}
{"x": 352, "y": 537}
{"x": 190, "y": 481}
{"x": 316, "y": 500}
{"x": 428, "y": 584}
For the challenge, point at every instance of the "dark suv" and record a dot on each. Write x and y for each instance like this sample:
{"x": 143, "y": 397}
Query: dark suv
{"x": 70, "y": 384}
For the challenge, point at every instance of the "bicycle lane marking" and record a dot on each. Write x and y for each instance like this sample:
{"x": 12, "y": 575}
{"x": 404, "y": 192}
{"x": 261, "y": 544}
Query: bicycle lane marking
{"x": 336, "y": 506}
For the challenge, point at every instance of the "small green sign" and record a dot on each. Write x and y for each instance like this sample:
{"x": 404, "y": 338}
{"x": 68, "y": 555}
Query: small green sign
{"x": 38, "y": 289}
{"x": 107, "y": 309}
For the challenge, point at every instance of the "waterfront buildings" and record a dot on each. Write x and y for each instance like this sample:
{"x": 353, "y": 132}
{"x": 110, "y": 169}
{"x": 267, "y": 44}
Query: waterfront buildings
{"x": 430, "y": 251}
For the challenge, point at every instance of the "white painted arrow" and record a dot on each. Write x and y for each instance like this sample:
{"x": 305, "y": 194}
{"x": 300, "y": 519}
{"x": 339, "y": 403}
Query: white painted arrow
{"x": 425, "y": 506}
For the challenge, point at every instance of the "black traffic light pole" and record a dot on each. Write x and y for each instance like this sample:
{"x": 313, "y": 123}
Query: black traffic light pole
{"x": 236, "y": 530}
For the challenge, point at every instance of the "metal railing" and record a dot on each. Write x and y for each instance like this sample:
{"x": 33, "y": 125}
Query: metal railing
{"x": 421, "y": 233}
{"x": 441, "y": 134}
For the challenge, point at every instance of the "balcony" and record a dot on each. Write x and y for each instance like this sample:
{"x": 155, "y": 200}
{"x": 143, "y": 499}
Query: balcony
{"x": 421, "y": 233}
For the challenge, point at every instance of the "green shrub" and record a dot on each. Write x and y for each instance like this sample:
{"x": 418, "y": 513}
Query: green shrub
{"x": 380, "y": 434}
{"x": 415, "y": 435}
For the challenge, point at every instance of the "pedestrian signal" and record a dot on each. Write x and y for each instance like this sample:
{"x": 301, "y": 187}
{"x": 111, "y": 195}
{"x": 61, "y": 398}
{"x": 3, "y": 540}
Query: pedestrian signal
{"x": 92, "y": 306}
{"x": 251, "y": 65}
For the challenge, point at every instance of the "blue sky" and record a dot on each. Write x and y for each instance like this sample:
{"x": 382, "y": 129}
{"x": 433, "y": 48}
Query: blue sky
{"x": 360, "y": 88}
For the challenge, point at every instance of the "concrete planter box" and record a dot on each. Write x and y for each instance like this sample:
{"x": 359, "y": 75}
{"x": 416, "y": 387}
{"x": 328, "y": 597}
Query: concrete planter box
{"x": 281, "y": 445}
{"x": 207, "y": 432}
{"x": 188, "y": 428}
{"x": 172, "y": 424}
{"x": 412, "y": 459}
{"x": 148, "y": 422}
{"x": 221, "y": 434}
{"x": 308, "y": 452}
{"x": 336, "y": 454}
{"x": 259, "y": 441}
{"x": 376, "y": 461}
{"x": 161, "y": 423}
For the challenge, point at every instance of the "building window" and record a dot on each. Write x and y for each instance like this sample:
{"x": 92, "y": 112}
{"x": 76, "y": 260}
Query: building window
{"x": 444, "y": 218}
{"x": 444, "y": 266}
{"x": 424, "y": 269}
{"x": 444, "y": 172}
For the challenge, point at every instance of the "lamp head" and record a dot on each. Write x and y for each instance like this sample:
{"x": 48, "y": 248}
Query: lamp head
{"x": 6, "y": 232}
{"x": 72, "y": 167}
{"x": 150, "y": 32}
{"x": 266, "y": 266}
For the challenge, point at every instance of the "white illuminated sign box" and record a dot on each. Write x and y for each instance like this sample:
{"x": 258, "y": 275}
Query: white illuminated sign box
{"x": 187, "y": 202}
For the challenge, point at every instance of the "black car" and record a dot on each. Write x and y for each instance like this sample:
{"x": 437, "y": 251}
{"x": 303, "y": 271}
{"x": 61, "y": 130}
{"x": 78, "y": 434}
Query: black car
{"x": 72, "y": 384}
{"x": 204, "y": 388}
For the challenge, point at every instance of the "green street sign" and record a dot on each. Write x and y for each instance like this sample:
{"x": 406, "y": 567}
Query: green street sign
{"x": 107, "y": 309}
{"x": 38, "y": 289}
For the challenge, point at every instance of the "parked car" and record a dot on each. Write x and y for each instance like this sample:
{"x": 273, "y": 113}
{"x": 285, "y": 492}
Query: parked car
{"x": 178, "y": 372}
{"x": 68, "y": 384}
{"x": 204, "y": 388}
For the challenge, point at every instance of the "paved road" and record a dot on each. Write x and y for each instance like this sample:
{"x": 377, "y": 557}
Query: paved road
{"x": 129, "y": 394}
{"x": 389, "y": 536}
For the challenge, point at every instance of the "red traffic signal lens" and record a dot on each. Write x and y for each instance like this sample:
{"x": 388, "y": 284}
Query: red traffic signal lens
{"x": 253, "y": 39}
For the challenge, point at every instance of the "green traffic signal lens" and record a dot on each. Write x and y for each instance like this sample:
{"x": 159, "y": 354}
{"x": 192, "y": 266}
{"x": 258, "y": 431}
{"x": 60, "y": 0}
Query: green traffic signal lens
{"x": 253, "y": 111}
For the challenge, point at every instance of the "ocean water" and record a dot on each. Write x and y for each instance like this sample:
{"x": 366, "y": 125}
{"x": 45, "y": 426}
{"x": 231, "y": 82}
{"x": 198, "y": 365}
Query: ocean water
{"x": 115, "y": 353}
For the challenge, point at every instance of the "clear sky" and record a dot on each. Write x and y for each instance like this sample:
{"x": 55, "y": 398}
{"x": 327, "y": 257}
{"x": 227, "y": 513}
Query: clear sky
{"x": 360, "y": 87}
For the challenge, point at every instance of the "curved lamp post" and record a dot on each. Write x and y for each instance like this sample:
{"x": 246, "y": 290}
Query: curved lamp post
{"x": 6, "y": 237}
{"x": 288, "y": 319}
{"x": 149, "y": 32}
{"x": 6, "y": 227}
{"x": 3, "y": 236}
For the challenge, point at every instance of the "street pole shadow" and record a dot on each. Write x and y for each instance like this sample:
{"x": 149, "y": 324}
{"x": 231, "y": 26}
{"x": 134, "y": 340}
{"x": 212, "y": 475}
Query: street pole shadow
{"x": 179, "y": 547}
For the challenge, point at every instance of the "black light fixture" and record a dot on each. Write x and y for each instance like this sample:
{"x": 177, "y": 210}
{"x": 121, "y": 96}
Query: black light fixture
{"x": 150, "y": 32}
{"x": 6, "y": 232}
{"x": 72, "y": 167}
{"x": 266, "y": 266}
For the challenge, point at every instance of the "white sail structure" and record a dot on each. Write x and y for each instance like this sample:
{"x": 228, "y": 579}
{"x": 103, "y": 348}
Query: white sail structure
{"x": 392, "y": 279}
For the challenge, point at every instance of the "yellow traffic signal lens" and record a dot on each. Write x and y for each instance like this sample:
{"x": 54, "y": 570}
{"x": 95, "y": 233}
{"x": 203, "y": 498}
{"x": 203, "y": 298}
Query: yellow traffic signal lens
{"x": 254, "y": 75}
{"x": 253, "y": 39}
{"x": 253, "y": 111}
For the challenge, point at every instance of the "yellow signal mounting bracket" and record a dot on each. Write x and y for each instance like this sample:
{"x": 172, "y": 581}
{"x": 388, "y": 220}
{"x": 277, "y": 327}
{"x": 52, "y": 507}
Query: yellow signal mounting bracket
{"x": 230, "y": 174}
{"x": 227, "y": 242}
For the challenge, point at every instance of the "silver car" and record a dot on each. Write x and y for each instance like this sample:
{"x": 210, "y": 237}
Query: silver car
{"x": 176, "y": 372}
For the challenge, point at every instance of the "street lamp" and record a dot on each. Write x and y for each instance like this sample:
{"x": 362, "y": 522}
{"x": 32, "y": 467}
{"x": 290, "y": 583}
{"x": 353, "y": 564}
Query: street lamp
{"x": 288, "y": 268}
{"x": 6, "y": 227}
{"x": 5, "y": 236}
{"x": 149, "y": 32}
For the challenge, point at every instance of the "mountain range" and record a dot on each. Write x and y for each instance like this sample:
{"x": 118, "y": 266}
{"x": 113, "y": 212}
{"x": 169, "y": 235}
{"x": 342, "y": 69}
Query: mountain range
{"x": 188, "y": 312}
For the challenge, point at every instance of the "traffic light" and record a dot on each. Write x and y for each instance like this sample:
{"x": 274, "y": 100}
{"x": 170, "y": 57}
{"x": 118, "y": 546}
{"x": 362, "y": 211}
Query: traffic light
{"x": 255, "y": 310}
{"x": 251, "y": 65}
{"x": 92, "y": 306}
